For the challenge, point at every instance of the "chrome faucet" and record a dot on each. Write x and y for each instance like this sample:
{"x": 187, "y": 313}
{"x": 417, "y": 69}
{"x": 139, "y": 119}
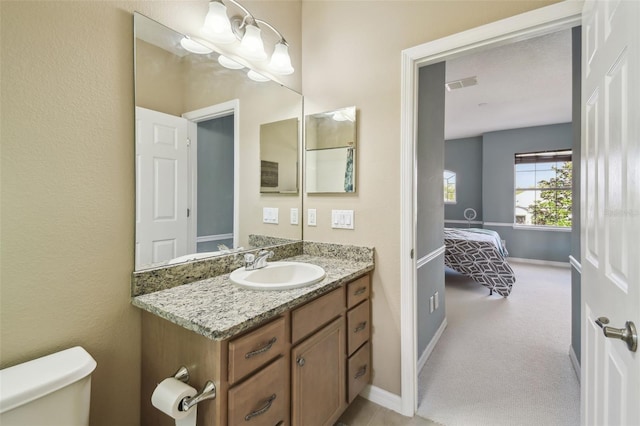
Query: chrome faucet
{"x": 257, "y": 261}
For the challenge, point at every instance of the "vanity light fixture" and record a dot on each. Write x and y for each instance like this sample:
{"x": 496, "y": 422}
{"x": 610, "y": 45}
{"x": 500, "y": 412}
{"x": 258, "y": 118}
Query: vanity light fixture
{"x": 256, "y": 76}
{"x": 229, "y": 63}
{"x": 219, "y": 28}
{"x": 194, "y": 47}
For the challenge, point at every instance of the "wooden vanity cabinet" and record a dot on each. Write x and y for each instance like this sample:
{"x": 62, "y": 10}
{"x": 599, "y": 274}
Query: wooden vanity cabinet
{"x": 301, "y": 368}
{"x": 318, "y": 386}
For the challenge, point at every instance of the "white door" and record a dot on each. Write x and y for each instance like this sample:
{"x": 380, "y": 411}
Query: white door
{"x": 610, "y": 209}
{"x": 161, "y": 187}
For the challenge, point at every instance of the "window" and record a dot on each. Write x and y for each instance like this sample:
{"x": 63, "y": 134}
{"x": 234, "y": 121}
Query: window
{"x": 543, "y": 188}
{"x": 449, "y": 187}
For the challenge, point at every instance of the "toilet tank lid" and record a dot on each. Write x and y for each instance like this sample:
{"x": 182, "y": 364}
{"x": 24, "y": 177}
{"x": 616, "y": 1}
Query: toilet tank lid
{"x": 34, "y": 379}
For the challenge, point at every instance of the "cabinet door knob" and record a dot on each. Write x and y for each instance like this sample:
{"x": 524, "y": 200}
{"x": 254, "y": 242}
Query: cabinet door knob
{"x": 300, "y": 361}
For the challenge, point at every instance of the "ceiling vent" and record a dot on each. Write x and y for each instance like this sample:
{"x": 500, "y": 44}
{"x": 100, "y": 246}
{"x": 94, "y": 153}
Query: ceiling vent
{"x": 463, "y": 82}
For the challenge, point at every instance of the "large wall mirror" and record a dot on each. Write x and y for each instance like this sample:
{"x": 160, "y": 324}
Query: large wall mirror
{"x": 198, "y": 153}
{"x": 330, "y": 153}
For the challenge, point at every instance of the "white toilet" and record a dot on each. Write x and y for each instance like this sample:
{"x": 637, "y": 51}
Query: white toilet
{"x": 52, "y": 390}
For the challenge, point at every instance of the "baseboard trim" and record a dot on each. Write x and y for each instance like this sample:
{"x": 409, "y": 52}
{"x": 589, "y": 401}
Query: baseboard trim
{"x": 432, "y": 344}
{"x": 539, "y": 262}
{"x": 383, "y": 398}
{"x": 574, "y": 362}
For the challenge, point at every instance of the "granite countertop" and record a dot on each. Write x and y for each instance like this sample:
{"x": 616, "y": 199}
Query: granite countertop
{"x": 218, "y": 309}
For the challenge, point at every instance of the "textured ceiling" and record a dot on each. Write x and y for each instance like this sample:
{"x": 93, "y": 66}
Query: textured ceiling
{"x": 519, "y": 85}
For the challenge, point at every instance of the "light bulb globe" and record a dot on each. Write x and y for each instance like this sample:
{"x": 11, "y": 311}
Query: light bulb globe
{"x": 280, "y": 61}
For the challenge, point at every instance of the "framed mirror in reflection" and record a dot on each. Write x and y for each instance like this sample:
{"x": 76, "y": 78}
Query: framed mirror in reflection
{"x": 198, "y": 147}
{"x": 330, "y": 154}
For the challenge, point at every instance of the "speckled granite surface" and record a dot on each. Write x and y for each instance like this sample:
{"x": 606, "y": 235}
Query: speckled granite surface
{"x": 339, "y": 251}
{"x": 165, "y": 277}
{"x": 217, "y": 309}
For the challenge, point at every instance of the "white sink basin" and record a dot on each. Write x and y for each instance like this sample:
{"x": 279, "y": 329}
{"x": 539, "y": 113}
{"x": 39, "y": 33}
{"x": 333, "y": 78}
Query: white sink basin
{"x": 278, "y": 276}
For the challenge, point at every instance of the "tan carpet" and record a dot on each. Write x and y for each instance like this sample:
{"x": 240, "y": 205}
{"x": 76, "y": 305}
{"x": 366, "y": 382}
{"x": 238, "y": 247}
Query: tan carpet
{"x": 504, "y": 361}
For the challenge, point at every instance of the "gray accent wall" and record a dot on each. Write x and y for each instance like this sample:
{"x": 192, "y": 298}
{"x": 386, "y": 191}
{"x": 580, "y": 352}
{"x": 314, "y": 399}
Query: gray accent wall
{"x": 215, "y": 179}
{"x": 576, "y": 37}
{"x": 429, "y": 278}
{"x": 485, "y": 166}
{"x": 464, "y": 158}
{"x": 430, "y": 203}
{"x": 498, "y": 151}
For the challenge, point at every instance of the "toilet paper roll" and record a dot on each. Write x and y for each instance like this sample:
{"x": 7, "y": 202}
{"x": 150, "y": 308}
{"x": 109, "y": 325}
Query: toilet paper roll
{"x": 167, "y": 396}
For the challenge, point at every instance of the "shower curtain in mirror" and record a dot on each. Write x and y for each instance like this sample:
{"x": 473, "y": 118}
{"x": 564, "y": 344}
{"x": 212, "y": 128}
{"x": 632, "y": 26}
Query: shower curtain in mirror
{"x": 348, "y": 174}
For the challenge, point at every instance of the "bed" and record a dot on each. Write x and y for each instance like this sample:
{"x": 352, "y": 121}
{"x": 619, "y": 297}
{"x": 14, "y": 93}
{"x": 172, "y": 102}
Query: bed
{"x": 480, "y": 255}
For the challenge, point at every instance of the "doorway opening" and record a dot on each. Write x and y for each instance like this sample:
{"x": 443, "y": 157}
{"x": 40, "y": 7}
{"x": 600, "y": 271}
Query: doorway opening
{"x": 536, "y": 23}
{"x": 213, "y": 177}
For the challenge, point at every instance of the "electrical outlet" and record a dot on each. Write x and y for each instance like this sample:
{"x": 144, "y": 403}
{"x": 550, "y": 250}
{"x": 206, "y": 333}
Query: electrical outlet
{"x": 431, "y": 304}
{"x": 294, "y": 216}
{"x": 436, "y": 300}
{"x": 311, "y": 217}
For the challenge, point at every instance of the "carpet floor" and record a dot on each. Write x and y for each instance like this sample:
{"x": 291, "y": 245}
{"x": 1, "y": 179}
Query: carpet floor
{"x": 504, "y": 361}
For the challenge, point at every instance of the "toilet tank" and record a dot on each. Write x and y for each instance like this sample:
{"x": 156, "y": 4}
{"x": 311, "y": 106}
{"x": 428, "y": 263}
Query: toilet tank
{"x": 52, "y": 390}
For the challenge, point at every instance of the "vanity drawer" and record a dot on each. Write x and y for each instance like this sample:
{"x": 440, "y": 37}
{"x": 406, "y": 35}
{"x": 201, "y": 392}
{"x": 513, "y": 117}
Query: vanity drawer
{"x": 358, "y": 325}
{"x": 358, "y": 372}
{"x": 358, "y": 290}
{"x": 314, "y": 315}
{"x": 253, "y": 350}
{"x": 263, "y": 399}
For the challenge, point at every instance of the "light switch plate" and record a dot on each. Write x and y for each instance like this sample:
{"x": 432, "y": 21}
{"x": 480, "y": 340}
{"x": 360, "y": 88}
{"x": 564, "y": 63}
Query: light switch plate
{"x": 294, "y": 216}
{"x": 311, "y": 217}
{"x": 270, "y": 215}
{"x": 342, "y": 219}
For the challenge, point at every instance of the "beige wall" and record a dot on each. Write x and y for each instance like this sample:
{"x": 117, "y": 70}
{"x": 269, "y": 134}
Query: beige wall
{"x": 352, "y": 57}
{"x": 67, "y": 164}
{"x": 68, "y": 184}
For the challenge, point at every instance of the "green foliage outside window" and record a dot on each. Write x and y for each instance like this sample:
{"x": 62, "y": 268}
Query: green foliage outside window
{"x": 554, "y": 206}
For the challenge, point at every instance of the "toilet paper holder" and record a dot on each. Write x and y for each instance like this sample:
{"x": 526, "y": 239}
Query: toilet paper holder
{"x": 207, "y": 392}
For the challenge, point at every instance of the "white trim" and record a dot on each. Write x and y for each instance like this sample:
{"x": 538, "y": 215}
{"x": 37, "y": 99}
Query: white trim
{"x": 408, "y": 290}
{"x": 473, "y": 222}
{"x": 217, "y": 111}
{"x": 216, "y": 237}
{"x": 540, "y": 228}
{"x": 497, "y": 224}
{"x": 576, "y": 265}
{"x": 528, "y": 227}
{"x": 432, "y": 344}
{"x": 382, "y": 397}
{"x": 539, "y": 262}
{"x": 574, "y": 362}
{"x": 429, "y": 257}
{"x": 535, "y": 23}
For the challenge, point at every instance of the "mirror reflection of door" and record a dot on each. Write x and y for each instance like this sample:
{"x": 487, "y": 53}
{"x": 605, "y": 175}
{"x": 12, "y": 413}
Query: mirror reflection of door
{"x": 161, "y": 187}
{"x": 215, "y": 190}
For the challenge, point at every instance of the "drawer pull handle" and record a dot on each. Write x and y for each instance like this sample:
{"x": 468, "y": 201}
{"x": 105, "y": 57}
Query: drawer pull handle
{"x": 264, "y": 349}
{"x": 360, "y": 327}
{"x": 261, "y": 410}
{"x": 359, "y": 291}
{"x": 361, "y": 372}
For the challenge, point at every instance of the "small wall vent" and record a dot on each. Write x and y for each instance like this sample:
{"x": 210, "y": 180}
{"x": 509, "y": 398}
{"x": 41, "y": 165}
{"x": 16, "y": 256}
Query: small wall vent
{"x": 463, "y": 82}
